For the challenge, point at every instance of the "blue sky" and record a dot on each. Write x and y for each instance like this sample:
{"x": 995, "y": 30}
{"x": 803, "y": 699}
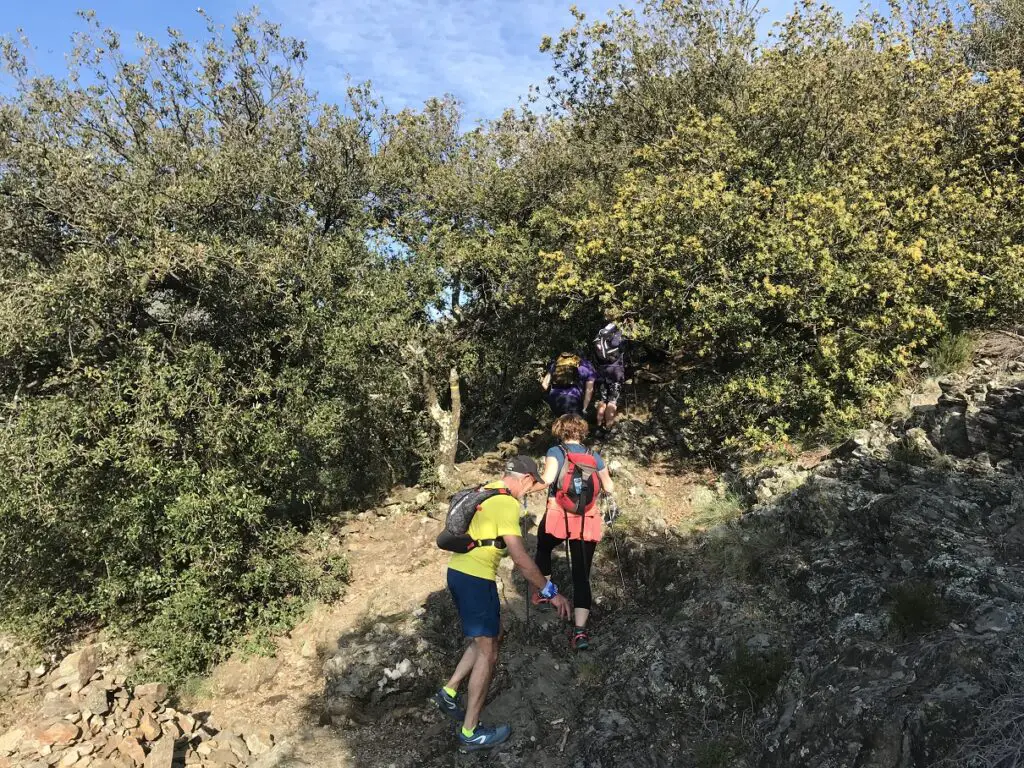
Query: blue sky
{"x": 482, "y": 51}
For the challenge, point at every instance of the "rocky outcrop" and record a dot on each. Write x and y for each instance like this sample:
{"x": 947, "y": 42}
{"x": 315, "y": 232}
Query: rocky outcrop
{"x": 863, "y": 612}
{"x": 870, "y": 617}
{"x": 89, "y": 719}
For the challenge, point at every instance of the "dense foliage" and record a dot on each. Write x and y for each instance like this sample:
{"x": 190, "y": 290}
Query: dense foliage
{"x": 197, "y": 349}
{"x": 847, "y": 198}
{"x": 223, "y": 300}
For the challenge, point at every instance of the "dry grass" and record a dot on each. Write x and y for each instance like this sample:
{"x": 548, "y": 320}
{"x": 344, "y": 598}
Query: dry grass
{"x": 999, "y": 740}
{"x": 952, "y": 353}
{"x": 746, "y": 554}
{"x": 712, "y": 511}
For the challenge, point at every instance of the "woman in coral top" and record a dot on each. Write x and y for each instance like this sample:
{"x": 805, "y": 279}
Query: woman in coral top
{"x": 576, "y": 477}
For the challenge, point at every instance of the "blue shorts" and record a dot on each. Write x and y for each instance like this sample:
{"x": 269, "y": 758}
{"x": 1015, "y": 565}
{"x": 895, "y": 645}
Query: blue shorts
{"x": 477, "y": 601}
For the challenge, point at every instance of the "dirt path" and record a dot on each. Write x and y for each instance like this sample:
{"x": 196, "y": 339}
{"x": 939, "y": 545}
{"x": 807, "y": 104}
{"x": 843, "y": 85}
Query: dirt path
{"x": 395, "y": 568}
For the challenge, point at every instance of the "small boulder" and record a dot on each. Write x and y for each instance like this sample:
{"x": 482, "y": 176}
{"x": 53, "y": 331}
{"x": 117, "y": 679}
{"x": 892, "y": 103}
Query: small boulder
{"x": 149, "y": 728}
{"x": 153, "y": 691}
{"x": 79, "y": 667}
{"x": 225, "y": 757}
{"x": 259, "y": 742}
{"x": 96, "y": 699}
{"x": 235, "y": 743}
{"x": 162, "y": 755}
{"x": 187, "y": 724}
{"x": 61, "y": 732}
{"x": 9, "y": 741}
{"x": 132, "y": 750}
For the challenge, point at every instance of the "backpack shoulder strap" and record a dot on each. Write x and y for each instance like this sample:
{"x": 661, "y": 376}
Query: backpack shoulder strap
{"x": 489, "y": 493}
{"x": 564, "y": 468}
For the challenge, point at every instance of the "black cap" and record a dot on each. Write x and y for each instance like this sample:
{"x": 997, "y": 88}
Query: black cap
{"x": 523, "y": 465}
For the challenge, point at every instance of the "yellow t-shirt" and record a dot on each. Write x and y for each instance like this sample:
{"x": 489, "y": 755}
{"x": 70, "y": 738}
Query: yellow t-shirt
{"x": 498, "y": 516}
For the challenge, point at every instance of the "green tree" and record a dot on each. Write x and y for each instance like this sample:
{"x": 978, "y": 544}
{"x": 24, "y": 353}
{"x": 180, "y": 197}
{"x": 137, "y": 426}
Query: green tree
{"x": 806, "y": 238}
{"x": 199, "y": 351}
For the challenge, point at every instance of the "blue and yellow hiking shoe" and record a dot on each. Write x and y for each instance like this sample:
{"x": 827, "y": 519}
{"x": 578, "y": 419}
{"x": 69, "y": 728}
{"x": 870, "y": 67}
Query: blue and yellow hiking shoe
{"x": 450, "y": 705}
{"x": 484, "y": 737}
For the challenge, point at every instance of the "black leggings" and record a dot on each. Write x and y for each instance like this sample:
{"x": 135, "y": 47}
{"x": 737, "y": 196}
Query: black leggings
{"x": 582, "y": 555}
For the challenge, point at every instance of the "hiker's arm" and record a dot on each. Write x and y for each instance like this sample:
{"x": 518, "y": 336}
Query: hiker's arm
{"x": 545, "y": 383}
{"x": 588, "y": 393}
{"x": 607, "y": 484}
{"x": 550, "y": 471}
{"x": 517, "y": 551}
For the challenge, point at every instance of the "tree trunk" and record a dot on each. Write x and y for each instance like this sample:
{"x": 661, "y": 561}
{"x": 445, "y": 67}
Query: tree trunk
{"x": 448, "y": 427}
{"x": 447, "y": 422}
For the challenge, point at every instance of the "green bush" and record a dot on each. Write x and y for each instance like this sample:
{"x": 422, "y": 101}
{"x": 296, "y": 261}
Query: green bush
{"x": 198, "y": 352}
{"x": 807, "y": 237}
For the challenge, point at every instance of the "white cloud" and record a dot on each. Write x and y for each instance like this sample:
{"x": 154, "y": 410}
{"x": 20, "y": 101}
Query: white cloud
{"x": 482, "y": 51}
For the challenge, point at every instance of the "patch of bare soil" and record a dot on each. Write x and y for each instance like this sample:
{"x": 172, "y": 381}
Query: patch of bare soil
{"x": 394, "y": 566}
{"x": 675, "y": 494}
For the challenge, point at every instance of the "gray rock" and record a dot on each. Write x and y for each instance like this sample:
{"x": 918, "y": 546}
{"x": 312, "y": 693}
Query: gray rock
{"x": 77, "y": 667}
{"x": 277, "y": 756}
{"x": 96, "y": 699}
{"x": 161, "y": 756}
{"x": 994, "y": 619}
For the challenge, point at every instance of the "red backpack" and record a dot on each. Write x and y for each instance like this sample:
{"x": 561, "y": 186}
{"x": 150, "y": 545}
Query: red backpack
{"x": 578, "y": 485}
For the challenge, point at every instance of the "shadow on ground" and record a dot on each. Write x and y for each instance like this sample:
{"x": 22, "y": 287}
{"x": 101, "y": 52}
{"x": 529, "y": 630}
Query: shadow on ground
{"x": 871, "y": 617}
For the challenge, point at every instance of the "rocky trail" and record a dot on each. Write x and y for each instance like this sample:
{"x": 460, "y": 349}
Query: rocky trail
{"x": 395, "y": 601}
{"x": 863, "y": 610}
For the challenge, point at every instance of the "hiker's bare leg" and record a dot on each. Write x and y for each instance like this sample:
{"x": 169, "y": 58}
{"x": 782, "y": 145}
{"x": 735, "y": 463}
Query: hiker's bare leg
{"x": 464, "y": 668}
{"x": 580, "y": 616}
{"x": 480, "y": 679}
{"x": 600, "y": 414}
{"x": 609, "y": 415}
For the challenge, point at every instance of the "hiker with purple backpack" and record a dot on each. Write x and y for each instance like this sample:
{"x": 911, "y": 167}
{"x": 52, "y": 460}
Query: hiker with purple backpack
{"x": 569, "y": 384}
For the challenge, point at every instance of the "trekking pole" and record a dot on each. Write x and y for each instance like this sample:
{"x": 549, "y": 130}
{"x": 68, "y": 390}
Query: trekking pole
{"x": 618, "y": 562}
{"x": 568, "y": 554}
{"x": 615, "y": 543}
{"x": 528, "y": 605}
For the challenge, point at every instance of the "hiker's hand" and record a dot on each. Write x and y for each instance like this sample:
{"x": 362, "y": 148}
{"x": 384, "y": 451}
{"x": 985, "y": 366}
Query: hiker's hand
{"x": 561, "y": 605}
{"x": 611, "y": 512}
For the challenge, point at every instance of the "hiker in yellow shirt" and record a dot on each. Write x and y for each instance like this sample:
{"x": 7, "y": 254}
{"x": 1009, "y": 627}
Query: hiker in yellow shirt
{"x": 471, "y": 580}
